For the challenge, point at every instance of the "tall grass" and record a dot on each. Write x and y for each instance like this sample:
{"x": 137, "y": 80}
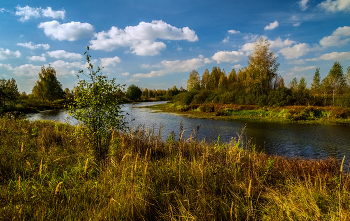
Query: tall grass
{"x": 47, "y": 173}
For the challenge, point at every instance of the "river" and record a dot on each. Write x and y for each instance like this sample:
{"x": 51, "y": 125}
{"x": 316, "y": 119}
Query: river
{"x": 291, "y": 140}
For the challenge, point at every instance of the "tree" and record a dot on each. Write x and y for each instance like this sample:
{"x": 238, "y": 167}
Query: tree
{"x": 133, "y": 93}
{"x": 214, "y": 78}
{"x": 205, "y": 79}
{"x": 223, "y": 82}
{"x": 231, "y": 79}
{"x": 48, "y": 87}
{"x": 315, "y": 86}
{"x": 293, "y": 85}
{"x": 262, "y": 68}
{"x": 95, "y": 105}
{"x": 8, "y": 92}
{"x": 193, "y": 82}
{"x": 336, "y": 79}
{"x": 348, "y": 76}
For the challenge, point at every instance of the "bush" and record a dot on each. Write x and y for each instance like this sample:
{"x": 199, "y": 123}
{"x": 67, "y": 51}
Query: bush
{"x": 201, "y": 97}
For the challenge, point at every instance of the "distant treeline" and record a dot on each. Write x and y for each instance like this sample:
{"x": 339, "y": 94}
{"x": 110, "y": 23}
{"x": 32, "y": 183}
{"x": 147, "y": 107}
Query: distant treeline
{"x": 259, "y": 84}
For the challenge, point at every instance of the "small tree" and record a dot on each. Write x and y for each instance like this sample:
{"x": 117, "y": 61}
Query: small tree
{"x": 95, "y": 105}
{"x": 193, "y": 83}
{"x": 48, "y": 87}
{"x": 336, "y": 79}
{"x": 133, "y": 92}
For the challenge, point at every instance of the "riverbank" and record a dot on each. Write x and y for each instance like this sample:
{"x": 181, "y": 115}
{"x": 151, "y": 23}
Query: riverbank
{"x": 46, "y": 172}
{"x": 287, "y": 114}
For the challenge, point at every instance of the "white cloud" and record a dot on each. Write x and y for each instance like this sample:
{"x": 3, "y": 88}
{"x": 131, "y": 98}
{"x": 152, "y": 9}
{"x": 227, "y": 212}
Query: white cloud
{"x": 336, "y": 56}
{"x": 271, "y": 26}
{"x": 177, "y": 66}
{"x": 48, "y": 12}
{"x": 109, "y": 61}
{"x": 226, "y": 39}
{"x": 233, "y": 32}
{"x": 67, "y": 31}
{"x": 296, "y": 51}
{"x": 338, "y": 37}
{"x": 30, "y": 45}
{"x": 303, "y": 4}
{"x": 251, "y": 37}
{"x": 335, "y": 6}
{"x": 237, "y": 66}
{"x": 178, "y": 48}
{"x": 141, "y": 38}
{"x": 228, "y": 56}
{"x": 62, "y": 54}
{"x": 4, "y": 54}
{"x": 296, "y": 24}
{"x": 297, "y": 69}
{"x": 125, "y": 74}
{"x": 27, "y": 12}
{"x": 37, "y": 58}
{"x": 278, "y": 43}
{"x": 274, "y": 44}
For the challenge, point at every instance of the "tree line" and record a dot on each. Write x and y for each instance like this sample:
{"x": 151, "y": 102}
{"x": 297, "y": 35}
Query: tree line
{"x": 260, "y": 84}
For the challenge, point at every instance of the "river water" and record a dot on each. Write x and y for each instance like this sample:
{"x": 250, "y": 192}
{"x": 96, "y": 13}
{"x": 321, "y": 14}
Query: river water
{"x": 291, "y": 140}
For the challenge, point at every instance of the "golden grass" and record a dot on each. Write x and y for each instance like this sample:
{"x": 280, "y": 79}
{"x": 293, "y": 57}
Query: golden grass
{"x": 144, "y": 178}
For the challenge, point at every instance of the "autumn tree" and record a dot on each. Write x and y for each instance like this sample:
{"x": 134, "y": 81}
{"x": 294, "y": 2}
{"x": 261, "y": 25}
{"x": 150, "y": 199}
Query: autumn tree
{"x": 48, "y": 87}
{"x": 223, "y": 82}
{"x": 193, "y": 82}
{"x": 336, "y": 79}
{"x": 262, "y": 68}
{"x": 214, "y": 78}
{"x": 231, "y": 79}
{"x": 315, "y": 86}
{"x": 205, "y": 79}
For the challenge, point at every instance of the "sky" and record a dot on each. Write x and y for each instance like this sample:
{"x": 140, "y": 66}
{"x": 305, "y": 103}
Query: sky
{"x": 156, "y": 43}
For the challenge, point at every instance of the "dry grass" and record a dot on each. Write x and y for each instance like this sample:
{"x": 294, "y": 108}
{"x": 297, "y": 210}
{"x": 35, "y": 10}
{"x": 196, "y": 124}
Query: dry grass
{"x": 147, "y": 179}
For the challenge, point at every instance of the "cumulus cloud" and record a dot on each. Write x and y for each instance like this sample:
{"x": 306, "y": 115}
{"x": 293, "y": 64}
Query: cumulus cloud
{"x": 37, "y": 58}
{"x": 109, "y": 61}
{"x": 296, "y": 51}
{"x": 177, "y": 66}
{"x": 62, "y": 54}
{"x": 237, "y": 66}
{"x": 33, "y": 46}
{"x": 271, "y": 26}
{"x": 141, "y": 38}
{"x": 336, "y": 56}
{"x": 67, "y": 31}
{"x": 228, "y": 56}
{"x": 233, "y": 32}
{"x": 27, "y": 12}
{"x": 340, "y": 37}
{"x": 274, "y": 44}
{"x": 48, "y": 12}
{"x": 303, "y": 4}
{"x": 4, "y": 54}
{"x": 297, "y": 69}
{"x": 125, "y": 74}
{"x": 335, "y": 6}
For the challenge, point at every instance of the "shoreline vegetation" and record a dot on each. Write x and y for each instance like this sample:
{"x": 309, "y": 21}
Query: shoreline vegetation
{"x": 286, "y": 114}
{"x": 48, "y": 174}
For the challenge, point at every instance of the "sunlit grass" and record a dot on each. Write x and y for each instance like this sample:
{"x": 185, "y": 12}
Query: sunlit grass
{"x": 47, "y": 173}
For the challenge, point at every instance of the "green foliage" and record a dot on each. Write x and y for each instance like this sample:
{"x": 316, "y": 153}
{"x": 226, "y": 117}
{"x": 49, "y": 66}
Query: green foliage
{"x": 48, "y": 87}
{"x": 133, "y": 93}
{"x": 193, "y": 82}
{"x": 95, "y": 105}
{"x": 9, "y": 93}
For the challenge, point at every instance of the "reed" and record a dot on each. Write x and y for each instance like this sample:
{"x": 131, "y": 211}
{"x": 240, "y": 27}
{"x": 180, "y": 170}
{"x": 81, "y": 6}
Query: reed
{"x": 145, "y": 178}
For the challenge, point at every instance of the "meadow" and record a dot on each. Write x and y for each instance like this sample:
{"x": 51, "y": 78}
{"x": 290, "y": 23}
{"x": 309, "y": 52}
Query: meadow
{"x": 47, "y": 172}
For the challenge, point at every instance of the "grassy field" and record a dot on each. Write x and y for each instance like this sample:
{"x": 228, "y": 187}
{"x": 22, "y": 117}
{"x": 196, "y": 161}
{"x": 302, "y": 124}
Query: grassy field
{"x": 47, "y": 173}
{"x": 287, "y": 114}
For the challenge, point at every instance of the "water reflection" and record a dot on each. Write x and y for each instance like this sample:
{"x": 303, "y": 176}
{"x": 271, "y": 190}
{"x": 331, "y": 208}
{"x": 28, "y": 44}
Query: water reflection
{"x": 310, "y": 141}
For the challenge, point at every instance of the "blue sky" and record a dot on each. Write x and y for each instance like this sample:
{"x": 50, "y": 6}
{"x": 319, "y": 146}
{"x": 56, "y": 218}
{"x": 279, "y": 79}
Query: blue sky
{"x": 156, "y": 44}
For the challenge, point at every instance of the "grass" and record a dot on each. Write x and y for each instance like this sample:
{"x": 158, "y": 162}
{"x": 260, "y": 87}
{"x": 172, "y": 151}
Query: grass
{"x": 288, "y": 114}
{"x": 47, "y": 173}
